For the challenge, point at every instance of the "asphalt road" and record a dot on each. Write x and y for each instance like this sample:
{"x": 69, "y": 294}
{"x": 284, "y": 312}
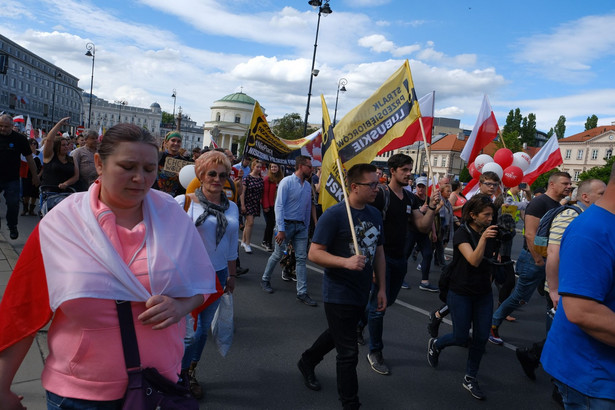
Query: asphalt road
{"x": 272, "y": 331}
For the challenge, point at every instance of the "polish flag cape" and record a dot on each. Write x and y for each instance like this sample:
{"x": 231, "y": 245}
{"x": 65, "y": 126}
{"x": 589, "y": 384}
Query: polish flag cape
{"x": 545, "y": 160}
{"x": 68, "y": 256}
{"x": 485, "y": 130}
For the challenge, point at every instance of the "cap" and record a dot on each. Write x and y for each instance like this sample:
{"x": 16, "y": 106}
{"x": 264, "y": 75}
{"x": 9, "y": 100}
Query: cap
{"x": 421, "y": 181}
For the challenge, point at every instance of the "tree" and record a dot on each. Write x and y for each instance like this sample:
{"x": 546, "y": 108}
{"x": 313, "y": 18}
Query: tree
{"x": 560, "y": 127}
{"x": 511, "y": 140}
{"x": 290, "y": 127}
{"x": 543, "y": 180}
{"x": 528, "y": 129}
{"x": 551, "y": 132}
{"x": 464, "y": 175}
{"x": 599, "y": 172}
{"x": 592, "y": 122}
{"x": 512, "y": 131}
{"x": 167, "y": 118}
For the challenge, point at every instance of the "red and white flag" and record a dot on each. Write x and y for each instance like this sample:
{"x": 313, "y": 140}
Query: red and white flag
{"x": 485, "y": 130}
{"x": 471, "y": 188}
{"x": 29, "y": 127}
{"x": 413, "y": 132}
{"x": 545, "y": 160}
{"x": 19, "y": 118}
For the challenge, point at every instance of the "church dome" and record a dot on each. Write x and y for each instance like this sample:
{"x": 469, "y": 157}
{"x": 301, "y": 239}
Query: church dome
{"x": 239, "y": 98}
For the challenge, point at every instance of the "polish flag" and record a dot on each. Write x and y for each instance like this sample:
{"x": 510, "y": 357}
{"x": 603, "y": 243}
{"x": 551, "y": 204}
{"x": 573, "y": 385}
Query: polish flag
{"x": 471, "y": 189}
{"x": 413, "y": 132}
{"x": 485, "y": 130}
{"x": 545, "y": 160}
{"x": 19, "y": 118}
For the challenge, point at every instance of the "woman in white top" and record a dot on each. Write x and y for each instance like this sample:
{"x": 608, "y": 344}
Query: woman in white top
{"x": 217, "y": 221}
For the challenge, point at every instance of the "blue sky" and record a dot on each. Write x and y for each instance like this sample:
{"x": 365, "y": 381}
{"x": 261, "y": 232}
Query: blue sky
{"x": 547, "y": 57}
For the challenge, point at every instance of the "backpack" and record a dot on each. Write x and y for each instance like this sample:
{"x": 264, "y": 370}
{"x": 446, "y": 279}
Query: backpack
{"x": 386, "y": 192}
{"x": 541, "y": 240}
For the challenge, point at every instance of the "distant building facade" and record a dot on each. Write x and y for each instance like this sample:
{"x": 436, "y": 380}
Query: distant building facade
{"x": 32, "y": 86}
{"x": 230, "y": 119}
{"x": 192, "y": 135}
{"x": 106, "y": 114}
{"x": 587, "y": 149}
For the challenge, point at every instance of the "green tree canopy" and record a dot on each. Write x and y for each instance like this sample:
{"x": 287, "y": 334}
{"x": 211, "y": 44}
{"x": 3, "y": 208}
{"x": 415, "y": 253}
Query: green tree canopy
{"x": 167, "y": 118}
{"x": 464, "y": 175}
{"x": 600, "y": 172}
{"x": 560, "y": 127}
{"x": 290, "y": 127}
{"x": 592, "y": 122}
{"x": 542, "y": 180}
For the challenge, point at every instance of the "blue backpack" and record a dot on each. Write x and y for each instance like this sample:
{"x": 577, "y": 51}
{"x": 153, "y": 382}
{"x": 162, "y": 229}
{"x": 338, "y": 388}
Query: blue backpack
{"x": 541, "y": 240}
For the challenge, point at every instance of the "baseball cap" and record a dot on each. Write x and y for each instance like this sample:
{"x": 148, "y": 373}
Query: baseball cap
{"x": 421, "y": 181}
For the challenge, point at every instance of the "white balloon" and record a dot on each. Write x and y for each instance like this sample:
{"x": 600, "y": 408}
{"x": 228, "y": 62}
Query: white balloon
{"x": 521, "y": 160}
{"x": 186, "y": 175}
{"x": 493, "y": 167}
{"x": 481, "y": 160}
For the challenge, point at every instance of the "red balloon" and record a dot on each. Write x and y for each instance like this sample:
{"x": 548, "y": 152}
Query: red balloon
{"x": 503, "y": 157}
{"x": 473, "y": 171}
{"x": 512, "y": 176}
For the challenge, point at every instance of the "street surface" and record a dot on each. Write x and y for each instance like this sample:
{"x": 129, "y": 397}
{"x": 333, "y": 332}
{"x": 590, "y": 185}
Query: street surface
{"x": 260, "y": 370}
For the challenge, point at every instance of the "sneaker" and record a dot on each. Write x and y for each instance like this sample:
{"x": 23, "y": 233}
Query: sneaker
{"x": 267, "y": 246}
{"x": 266, "y": 285}
{"x": 241, "y": 271}
{"x": 434, "y": 324}
{"x": 309, "y": 378}
{"x": 376, "y": 361}
{"x": 494, "y": 336}
{"x": 428, "y": 287}
{"x": 418, "y": 267}
{"x": 286, "y": 276}
{"x": 360, "y": 339}
{"x": 432, "y": 352}
{"x": 293, "y": 275}
{"x": 14, "y": 233}
{"x": 306, "y": 299}
{"x": 247, "y": 248}
{"x": 404, "y": 285}
{"x": 471, "y": 385}
{"x": 528, "y": 362}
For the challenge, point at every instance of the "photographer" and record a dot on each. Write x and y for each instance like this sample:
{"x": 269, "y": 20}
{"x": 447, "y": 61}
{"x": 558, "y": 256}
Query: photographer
{"x": 469, "y": 297}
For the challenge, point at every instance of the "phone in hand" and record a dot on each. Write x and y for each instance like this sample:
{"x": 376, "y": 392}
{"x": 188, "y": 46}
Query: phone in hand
{"x": 523, "y": 185}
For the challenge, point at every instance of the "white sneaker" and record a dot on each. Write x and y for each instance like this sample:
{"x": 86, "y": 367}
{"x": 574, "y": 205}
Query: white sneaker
{"x": 418, "y": 267}
{"x": 247, "y": 248}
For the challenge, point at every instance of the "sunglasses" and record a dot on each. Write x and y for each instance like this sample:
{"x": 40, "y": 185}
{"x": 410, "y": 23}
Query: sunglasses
{"x": 213, "y": 174}
{"x": 372, "y": 185}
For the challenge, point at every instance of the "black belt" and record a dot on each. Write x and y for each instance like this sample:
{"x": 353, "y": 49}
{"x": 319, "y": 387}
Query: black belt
{"x": 290, "y": 221}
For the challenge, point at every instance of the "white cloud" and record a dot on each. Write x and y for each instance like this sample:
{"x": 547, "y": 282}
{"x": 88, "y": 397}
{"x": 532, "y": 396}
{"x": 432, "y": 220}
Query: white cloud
{"x": 450, "y": 112}
{"x": 570, "y": 50}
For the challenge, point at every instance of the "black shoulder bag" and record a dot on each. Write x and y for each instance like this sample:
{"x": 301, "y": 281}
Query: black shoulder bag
{"x": 147, "y": 388}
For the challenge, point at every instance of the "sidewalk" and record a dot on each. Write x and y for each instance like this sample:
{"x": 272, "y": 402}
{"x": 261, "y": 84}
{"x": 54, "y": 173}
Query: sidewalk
{"x": 27, "y": 381}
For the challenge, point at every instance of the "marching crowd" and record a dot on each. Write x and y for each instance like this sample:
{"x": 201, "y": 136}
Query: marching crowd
{"x": 124, "y": 236}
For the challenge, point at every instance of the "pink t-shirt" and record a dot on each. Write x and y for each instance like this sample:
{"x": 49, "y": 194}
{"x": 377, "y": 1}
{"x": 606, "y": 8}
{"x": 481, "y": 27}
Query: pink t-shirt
{"x": 86, "y": 359}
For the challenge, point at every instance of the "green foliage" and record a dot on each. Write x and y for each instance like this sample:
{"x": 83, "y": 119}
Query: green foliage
{"x": 290, "y": 127}
{"x": 167, "y": 118}
{"x": 551, "y": 132}
{"x": 513, "y": 122}
{"x": 560, "y": 127}
{"x": 592, "y": 122}
{"x": 520, "y": 128}
{"x": 599, "y": 172}
{"x": 511, "y": 140}
{"x": 528, "y": 129}
{"x": 543, "y": 180}
{"x": 464, "y": 175}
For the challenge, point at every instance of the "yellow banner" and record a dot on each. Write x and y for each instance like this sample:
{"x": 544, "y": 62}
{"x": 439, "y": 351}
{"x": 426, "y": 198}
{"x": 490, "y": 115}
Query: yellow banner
{"x": 368, "y": 128}
{"x": 330, "y": 185}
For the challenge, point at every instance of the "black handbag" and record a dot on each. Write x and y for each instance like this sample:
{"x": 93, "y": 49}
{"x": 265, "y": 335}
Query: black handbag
{"x": 147, "y": 388}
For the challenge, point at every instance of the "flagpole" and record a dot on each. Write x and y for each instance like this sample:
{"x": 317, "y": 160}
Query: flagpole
{"x": 430, "y": 171}
{"x": 348, "y": 212}
{"x": 501, "y": 138}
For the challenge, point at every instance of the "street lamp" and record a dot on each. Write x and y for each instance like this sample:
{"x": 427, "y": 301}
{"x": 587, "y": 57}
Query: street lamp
{"x": 341, "y": 86}
{"x": 121, "y": 104}
{"x": 326, "y": 10}
{"x": 91, "y": 53}
{"x": 174, "y": 96}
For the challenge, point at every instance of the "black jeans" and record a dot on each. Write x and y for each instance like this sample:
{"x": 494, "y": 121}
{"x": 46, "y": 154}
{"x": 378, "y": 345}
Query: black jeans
{"x": 341, "y": 335}
{"x": 269, "y": 224}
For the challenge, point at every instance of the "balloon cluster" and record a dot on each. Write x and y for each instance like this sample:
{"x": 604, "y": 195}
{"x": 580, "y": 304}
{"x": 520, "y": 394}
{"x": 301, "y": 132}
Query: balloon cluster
{"x": 508, "y": 166}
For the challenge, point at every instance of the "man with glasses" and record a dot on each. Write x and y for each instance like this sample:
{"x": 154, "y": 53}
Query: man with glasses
{"x": 347, "y": 280}
{"x": 398, "y": 206}
{"x": 12, "y": 146}
{"x": 293, "y": 206}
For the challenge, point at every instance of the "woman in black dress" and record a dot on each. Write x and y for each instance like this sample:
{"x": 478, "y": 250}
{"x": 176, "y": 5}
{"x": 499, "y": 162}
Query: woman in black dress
{"x": 251, "y": 196}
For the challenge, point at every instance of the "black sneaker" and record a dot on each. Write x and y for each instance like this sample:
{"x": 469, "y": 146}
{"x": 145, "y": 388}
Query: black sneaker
{"x": 306, "y": 299}
{"x": 286, "y": 276}
{"x": 471, "y": 385}
{"x": 376, "y": 361}
{"x": 266, "y": 285}
{"x": 309, "y": 378}
{"x": 241, "y": 271}
{"x": 14, "y": 233}
{"x": 433, "y": 353}
{"x": 434, "y": 324}
{"x": 528, "y": 362}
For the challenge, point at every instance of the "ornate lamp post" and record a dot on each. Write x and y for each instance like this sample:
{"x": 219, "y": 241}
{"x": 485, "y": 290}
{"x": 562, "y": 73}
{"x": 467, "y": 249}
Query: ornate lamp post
{"x": 174, "y": 96}
{"x": 91, "y": 53}
{"x": 121, "y": 103}
{"x": 341, "y": 86}
{"x": 326, "y": 10}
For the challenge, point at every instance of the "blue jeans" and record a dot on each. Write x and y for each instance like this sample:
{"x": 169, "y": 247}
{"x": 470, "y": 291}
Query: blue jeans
{"x": 395, "y": 274}
{"x": 297, "y": 234}
{"x": 424, "y": 244}
{"x": 55, "y": 402}
{"x": 11, "y": 191}
{"x": 341, "y": 335}
{"x": 465, "y": 311}
{"x": 529, "y": 277}
{"x": 194, "y": 343}
{"x": 574, "y": 399}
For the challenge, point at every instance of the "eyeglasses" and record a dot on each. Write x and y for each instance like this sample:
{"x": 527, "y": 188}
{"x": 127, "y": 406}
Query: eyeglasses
{"x": 490, "y": 184}
{"x": 372, "y": 185}
{"x": 213, "y": 174}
